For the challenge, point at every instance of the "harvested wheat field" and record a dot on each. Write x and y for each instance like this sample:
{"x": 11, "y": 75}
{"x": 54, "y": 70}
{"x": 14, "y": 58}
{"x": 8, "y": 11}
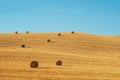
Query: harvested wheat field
{"x": 83, "y": 56}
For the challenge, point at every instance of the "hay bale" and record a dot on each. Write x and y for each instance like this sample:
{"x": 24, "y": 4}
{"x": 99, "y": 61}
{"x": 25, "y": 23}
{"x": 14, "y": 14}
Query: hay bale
{"x": 59, "y": 34}
{"x": 23, "y": 46}
{"x": 16, "y": 32}
{"x": 48, "y": 40}
{"x": 27, "y": 32}
{"x": 72, "y": 32}
{"x": 34, "y": 64}
{"x": 59, "y": 63}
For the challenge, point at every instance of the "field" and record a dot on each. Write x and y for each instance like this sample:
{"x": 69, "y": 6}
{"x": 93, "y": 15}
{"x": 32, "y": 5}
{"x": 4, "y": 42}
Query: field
{"x": 84, "y": 56}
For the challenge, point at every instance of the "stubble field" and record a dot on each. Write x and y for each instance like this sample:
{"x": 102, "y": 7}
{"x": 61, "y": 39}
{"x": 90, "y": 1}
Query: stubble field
{"x": 84, "y": 56}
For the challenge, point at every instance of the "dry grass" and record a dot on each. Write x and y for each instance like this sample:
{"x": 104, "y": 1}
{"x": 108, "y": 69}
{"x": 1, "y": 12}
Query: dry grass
{"x": 85, "y": 57}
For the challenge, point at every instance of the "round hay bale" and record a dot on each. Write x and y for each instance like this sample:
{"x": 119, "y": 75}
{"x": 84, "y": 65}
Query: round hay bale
{"x": 23, "y": 46}
{"x": 59, "y": 34}
{"x": 72, "y": 32}
{"x": 16, "y": 32}
{"x": 48, "y": 40}
{"x": 59, "y": 63}
{"x": 27, "y": 32}
{"x": 34, "y": 64}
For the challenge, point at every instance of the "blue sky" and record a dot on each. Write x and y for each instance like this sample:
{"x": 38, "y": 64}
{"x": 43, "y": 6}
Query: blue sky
{"x": 90, "y": 16}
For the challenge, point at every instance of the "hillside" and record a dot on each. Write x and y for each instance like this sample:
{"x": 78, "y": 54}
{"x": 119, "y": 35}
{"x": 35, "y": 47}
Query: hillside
{"x": 84, "y": 56}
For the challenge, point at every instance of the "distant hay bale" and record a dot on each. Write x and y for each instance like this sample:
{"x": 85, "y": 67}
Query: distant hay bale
{"x": 72, "y": 32}
{"x": 59, "y": 34}
{"x": 59, "y": 63}
{"x": 34, "y": 64}
{"x": 16, "y": 32}
{"x": 27, "y": 32}
{"x": 23, "y": 46}
{"x": 48, "y": 40}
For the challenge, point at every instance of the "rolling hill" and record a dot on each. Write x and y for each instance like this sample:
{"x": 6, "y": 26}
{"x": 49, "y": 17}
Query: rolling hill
{"x": 84, "y": 56}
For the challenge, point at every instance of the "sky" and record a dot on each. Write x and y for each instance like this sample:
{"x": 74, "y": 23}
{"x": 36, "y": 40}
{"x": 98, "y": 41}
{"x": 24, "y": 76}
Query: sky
{"x": 89, "y": 16}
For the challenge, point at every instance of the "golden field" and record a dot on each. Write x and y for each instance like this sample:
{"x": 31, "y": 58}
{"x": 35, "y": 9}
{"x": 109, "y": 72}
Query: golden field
{"x": 84, "y": 56}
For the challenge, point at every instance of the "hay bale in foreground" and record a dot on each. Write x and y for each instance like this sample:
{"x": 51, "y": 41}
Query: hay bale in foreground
{"x": 34, "y": 64}
{"x": 23, "y": 46}
{"x": 59, "y": 63}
